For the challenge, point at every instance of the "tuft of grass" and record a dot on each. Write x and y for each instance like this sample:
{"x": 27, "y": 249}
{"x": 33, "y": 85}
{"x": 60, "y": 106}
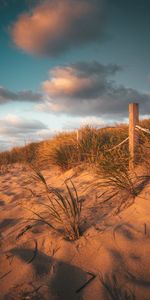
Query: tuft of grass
{"x": 114, "y": 167}
{"x": 143, "y": 152}
{"x": 115, "y": 290}
{"x": 60, "y": 151}
{"x": 65, "y": 156}
{"x": 62, "y": 209}
{"x": 89, "y": 144}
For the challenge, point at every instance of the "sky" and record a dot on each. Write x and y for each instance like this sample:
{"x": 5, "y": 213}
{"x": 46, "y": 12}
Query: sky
{"x": 67, "y": 63}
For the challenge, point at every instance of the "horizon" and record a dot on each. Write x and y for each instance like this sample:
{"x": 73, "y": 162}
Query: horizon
{"x": 68, "y": 63}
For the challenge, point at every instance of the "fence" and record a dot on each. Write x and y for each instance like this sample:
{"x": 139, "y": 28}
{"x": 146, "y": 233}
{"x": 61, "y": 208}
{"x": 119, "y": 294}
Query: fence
{"x": 133, "y": 136}
{"x": 133, "y": 133}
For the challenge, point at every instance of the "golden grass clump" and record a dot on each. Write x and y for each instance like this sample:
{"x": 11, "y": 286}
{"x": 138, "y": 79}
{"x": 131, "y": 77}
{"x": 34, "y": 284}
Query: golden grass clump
{"x": 59, "y": 151}
{"x": 62, "y": 211}
{"x": 65, "y": 150}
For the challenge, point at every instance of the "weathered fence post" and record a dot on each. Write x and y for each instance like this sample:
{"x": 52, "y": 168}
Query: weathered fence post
{"x": 77, "y": 132}
{"x": 133, "y": 135}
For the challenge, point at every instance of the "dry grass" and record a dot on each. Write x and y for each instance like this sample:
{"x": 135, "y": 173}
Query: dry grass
{"x": 115, "y": 290}
{"x": 64, "y": 151}
{"x": 92, "y": 147}
{"x": 113, "y": 166}
{"x": 61, "y": 210}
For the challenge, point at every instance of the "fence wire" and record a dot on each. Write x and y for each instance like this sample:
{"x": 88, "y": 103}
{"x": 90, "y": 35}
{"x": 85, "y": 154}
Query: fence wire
{"x": 138, "y": 127}
{"x": 141, "y": 128}
{"x": 118, "y": 145}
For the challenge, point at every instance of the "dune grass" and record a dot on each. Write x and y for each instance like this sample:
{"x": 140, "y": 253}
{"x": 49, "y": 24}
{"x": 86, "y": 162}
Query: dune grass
{"x": 115, "y": 290}
{"x": 93, "y": 147}
{"x": 113, "y": 166}
{"x": 66, "y": 151}
{"x": 61, "y": 210}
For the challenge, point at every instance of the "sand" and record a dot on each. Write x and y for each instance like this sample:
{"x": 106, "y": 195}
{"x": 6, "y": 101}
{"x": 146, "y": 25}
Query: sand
{"x": 41, "y": 264}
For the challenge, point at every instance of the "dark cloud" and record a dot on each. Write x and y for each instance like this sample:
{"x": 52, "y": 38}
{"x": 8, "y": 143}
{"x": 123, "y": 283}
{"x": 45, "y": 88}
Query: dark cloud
{"x": 88, "y": 89}
{"x": 53, "y": 26}
{"x": 7, "y": 96}
{"x": 80, "y": 80}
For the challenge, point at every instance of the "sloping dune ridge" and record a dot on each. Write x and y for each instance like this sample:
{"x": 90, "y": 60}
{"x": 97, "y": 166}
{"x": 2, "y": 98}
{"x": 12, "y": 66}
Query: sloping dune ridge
{"x": 109, "y": 261}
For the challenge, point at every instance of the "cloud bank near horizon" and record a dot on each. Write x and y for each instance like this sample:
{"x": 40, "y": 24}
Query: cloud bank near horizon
{"x": 16, "y": 131}
{"x": 53, "y": 27}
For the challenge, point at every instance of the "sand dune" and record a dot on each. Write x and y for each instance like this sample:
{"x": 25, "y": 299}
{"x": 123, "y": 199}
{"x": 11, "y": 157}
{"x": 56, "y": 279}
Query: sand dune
{"x": 41, "y": 264}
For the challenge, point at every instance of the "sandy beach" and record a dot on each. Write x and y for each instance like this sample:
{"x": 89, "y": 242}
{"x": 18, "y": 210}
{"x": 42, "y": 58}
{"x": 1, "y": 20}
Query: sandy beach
{"x": 41, "y": 264}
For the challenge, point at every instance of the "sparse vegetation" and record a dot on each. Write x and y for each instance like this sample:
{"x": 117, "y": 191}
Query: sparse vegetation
{"x": 94, "y": 147}
{"x": 62, "y": 209}
{"x": 114, "y": 168}
{"x": 64, "y": 150}
{"x": 115, "y": 290}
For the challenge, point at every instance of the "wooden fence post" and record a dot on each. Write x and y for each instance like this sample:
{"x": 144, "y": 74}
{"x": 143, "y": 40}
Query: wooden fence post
{"x": 77, "y": 132}
{"x": 133, "y": 135}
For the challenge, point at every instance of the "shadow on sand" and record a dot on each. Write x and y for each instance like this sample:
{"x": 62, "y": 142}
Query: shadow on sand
{"x": 62, "y": 279}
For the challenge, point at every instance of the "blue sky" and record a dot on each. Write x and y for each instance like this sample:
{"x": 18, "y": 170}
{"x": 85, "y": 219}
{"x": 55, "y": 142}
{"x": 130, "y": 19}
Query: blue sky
{"x": 66, "y": 63}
